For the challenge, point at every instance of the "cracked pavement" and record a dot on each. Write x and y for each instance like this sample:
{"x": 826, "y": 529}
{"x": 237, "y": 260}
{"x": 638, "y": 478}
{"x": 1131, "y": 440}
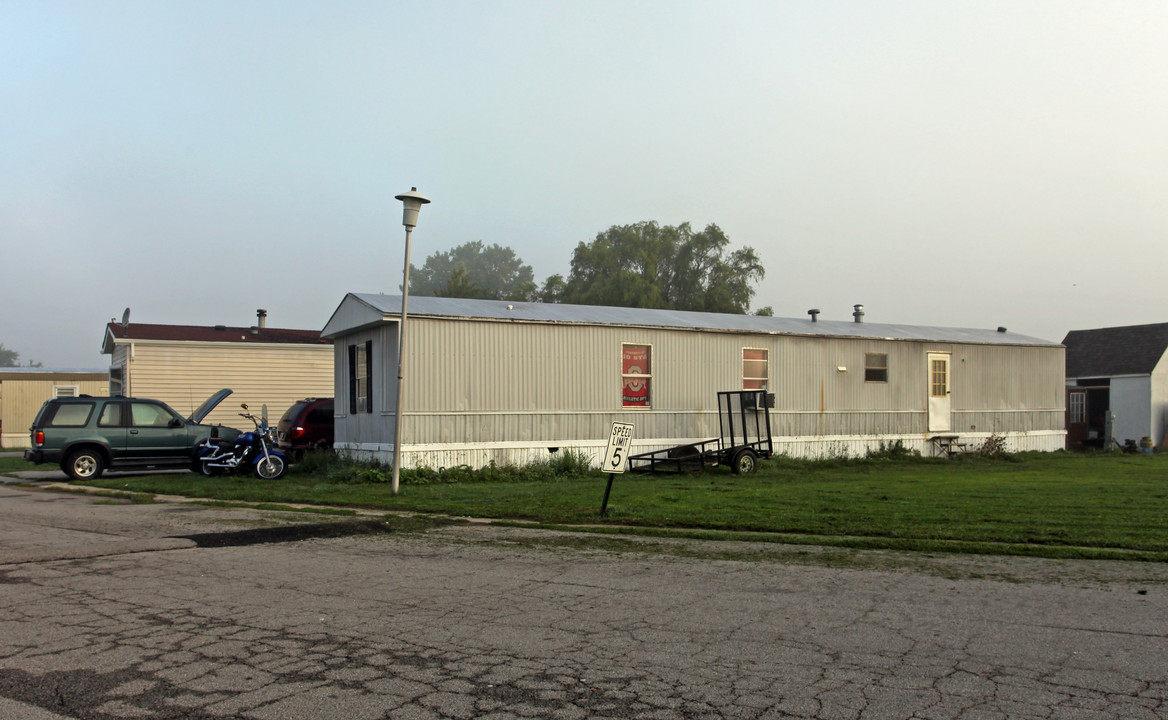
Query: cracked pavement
{"x": 485, "y": 622}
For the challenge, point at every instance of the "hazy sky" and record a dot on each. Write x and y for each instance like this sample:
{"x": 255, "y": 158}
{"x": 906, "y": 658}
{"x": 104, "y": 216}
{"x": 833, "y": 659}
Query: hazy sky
{"x": 968, "y": 164}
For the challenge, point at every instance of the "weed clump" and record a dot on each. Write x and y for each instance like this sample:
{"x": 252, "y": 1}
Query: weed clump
{"x": 893, "y": 451}
{"x": 348, "y": 470}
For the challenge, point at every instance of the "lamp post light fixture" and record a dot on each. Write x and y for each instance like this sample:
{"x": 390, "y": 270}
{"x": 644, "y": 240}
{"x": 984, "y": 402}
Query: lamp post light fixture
{"x": 412, "y": 203}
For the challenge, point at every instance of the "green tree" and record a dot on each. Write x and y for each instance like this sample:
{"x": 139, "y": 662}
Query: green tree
{"x": 552, "y": 290}
{"x": 474, "y": 271}
{"x": 9, "y": 358}
{"x": 650, "y": 266}
{"x": 460, "y": 286}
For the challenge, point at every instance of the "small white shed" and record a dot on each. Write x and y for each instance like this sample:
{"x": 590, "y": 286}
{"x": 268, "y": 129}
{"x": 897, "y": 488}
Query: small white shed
{"x": 508, "y": 381}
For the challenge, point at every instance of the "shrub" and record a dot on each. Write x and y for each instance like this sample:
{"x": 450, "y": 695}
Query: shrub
{"x": 318, "y": 462}
{"x": 570, "y": 463}
{"x": 892, "y": 451}
{"x": 993, "y": 446}
{"x": 340, "y": 469}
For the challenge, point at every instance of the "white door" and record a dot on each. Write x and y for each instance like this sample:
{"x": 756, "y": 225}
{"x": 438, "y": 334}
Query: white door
{"x": 940, "y": 409}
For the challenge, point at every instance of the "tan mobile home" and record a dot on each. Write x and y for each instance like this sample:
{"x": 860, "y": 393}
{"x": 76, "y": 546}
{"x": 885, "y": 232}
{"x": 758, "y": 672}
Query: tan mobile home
{"x": 24, "y": 390}
{"x": 509, "y": 382}
{"x": 183, "y": 365}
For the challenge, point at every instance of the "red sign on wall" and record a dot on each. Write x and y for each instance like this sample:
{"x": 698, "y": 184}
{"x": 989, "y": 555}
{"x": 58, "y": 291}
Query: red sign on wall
{"x": 635, "y": 367}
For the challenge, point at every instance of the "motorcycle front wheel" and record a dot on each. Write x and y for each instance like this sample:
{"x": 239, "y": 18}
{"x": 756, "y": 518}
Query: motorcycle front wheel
{"x": 272, "y": 467}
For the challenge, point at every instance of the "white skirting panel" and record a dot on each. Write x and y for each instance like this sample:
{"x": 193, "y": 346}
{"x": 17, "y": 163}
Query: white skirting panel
{"x": 15, "y": 440}
{"x": 478, "y": 455}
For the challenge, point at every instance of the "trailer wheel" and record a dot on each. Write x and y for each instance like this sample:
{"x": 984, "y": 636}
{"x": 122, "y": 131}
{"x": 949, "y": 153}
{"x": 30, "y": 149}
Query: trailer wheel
{"x": 744, "y": 462}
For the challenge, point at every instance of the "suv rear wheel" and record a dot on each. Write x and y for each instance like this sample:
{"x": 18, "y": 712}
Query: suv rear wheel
{"x": 84, "y": 464}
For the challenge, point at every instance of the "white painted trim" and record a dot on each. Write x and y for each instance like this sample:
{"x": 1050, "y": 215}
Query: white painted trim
{"x": 808, "y": 446}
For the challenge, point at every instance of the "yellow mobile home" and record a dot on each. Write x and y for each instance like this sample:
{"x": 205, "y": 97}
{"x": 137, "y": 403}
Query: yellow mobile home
{"x": 183, "y": 365}
{"x": 24, "y": 390}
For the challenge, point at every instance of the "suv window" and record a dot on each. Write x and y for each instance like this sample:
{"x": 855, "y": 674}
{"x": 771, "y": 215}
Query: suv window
{"x": 149, "y": 415}
{"x": 70, "y": 415}
{"x": 111, "y": 415}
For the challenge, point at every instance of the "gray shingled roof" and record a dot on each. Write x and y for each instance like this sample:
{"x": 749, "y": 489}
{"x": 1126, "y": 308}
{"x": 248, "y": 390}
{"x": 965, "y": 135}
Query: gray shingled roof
{"x": 1132, "y": 350}
{"x": 213, "y": 333}
{"x": 639, "y": 317}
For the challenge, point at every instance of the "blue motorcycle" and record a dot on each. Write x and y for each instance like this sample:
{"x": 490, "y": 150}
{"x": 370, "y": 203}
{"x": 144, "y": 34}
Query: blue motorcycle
{"x": 250, "y": 452}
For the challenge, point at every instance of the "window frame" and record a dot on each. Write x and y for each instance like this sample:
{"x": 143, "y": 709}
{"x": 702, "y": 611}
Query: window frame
{"x": 1077, "y": 407}
{"x": 764, "y": 379}
{"x": 645, "y": 377}
{"x": 361, "y": 358}
{"x": 938, "y": 377}
{"x": 871, "y": 369}
{"x": 117, "y": 381}
{"x": 72, "y": 390}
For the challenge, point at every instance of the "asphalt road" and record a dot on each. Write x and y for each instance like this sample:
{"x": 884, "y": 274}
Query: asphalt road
{"x": 126, "y": 611}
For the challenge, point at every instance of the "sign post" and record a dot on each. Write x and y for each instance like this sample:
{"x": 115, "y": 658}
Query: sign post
{"x": 620, "y": 438}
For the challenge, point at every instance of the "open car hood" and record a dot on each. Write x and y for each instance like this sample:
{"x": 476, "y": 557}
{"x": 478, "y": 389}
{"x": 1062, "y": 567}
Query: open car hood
{"x": 208, "y": 405}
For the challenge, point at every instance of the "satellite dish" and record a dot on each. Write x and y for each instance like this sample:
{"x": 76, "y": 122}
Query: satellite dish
{"x": 126, "y": 317}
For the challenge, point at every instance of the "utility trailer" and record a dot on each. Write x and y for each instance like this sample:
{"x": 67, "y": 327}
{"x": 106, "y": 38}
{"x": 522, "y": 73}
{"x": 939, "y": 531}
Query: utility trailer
{"x": 744, "y": 423}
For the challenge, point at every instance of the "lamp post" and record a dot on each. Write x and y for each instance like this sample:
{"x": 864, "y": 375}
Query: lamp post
{"x": 412, "y": 203}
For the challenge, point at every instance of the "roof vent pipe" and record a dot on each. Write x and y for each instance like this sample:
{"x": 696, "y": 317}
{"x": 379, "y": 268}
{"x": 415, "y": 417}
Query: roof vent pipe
{"x": 263, "y": 317}
{"x": 858, "y": 314}
{"x": 814, "y": 313}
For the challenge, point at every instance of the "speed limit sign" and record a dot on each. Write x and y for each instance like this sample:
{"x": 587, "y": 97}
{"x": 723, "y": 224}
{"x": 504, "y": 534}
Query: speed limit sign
{"x": 619, "y": 441}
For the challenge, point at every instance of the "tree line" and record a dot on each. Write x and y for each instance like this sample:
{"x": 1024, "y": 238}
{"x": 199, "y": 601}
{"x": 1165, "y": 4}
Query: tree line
{"x": 643, "y": 265}
{"x": 11, "y": 358}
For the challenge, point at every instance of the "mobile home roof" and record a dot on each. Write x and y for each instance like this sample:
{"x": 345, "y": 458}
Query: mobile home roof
{"x": 379, "y": 308}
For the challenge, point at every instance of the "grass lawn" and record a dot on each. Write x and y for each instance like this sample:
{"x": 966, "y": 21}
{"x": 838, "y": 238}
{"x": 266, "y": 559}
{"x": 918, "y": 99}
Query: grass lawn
{"x": 15, "y": 464}
{"x": 1052, "y": 505}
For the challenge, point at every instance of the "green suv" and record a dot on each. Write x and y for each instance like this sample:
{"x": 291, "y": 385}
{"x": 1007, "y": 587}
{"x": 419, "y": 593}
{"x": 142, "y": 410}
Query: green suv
{"x": 87, "y": 435}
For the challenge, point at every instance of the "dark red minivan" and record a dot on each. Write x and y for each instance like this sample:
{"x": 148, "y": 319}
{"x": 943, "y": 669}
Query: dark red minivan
{"x": 308, "y": 425}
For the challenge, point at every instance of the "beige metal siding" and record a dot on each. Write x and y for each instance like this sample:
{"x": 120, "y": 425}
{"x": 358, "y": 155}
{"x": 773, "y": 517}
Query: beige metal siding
{"x": 1008, "y": 389}
{"x": 372, "y": 425}
{"x": 183, "y": 375}
{"x": 22, "y": 394}
{"x": 502, "y": 382}
{"x": 351, "y": 315}
{"x": 119, "y": 358}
